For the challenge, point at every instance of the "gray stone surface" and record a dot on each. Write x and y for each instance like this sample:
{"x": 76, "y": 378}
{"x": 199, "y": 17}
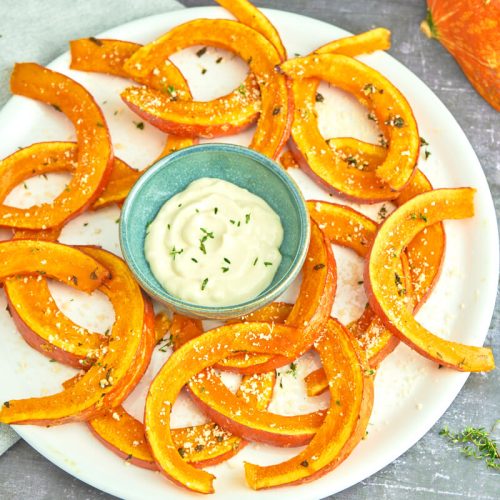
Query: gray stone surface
{"x": 431, "y": 469}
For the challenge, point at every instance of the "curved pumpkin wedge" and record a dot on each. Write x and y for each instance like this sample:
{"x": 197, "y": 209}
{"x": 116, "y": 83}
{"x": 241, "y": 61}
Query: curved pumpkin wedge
{"x": 389, "y": 108}
{"x": 383, "y": 277}
{"x": 363, "y": 43}
{"x": 95, "y": 154}
{"x": 310, "y": 311}
{"x": 45, "y": 327}
{"x": 250, "y": 15}
{"x": 224, "y": 116}
{"x": 344, "y": 424}
{"x": 121, "y": 364}
{"x": 235, "y": 415}
{"x": 47, "y": 157}
{"x": 274, "y": 123}
{"x": 201, "y": 445}
{"x": 109, "y": 56}
{"x": 24, "y": 257}
{"x": 314, "y": 155}
{"x": 190, "y": 359}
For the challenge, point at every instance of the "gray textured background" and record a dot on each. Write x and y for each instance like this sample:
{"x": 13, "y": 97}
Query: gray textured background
{"x": 431, "y": 469}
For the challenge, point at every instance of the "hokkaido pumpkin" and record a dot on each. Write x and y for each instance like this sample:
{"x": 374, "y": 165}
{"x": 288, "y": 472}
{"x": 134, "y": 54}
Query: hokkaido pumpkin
{"x": 470, "y": 31}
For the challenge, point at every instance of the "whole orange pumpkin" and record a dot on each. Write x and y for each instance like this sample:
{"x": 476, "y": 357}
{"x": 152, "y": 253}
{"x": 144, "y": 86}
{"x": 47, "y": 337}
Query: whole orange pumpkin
{"x": 470, "y": 31}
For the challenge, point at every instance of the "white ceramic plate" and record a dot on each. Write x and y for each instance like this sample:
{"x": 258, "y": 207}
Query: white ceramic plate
{"x": 411, "y": 393}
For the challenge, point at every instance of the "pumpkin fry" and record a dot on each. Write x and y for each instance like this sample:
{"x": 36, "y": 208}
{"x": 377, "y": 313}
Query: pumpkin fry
{"x": 383, "y": 283}
{"x": 95, "y": 154}
{"x": 274, "y": 123}
{"x": 248, "y": 14}
{"x": 363, "y": 82}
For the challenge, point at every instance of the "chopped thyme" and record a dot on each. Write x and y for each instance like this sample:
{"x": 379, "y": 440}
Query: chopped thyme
{"x": 219, "y": 60}
{"x": 369, "y": 88}
{"x": 139, "y": 125}
{"x": 6, "y": 404}
{"x": 56, "y": 107}
{"x": 317, "y": 267}
{"x": 304, "y": 463}
{"x": 351, "y": 160}
{"x": 74, "y": 279}
{"x": 216, "y": 210}
{"x": 25, "y": 185}
{"x": 204, "y": 283}
{"x": 95, "y": 40}
{"x": 427, "y": 153}
{"x": 247, "y": 218}
{"x": 371, "y": 116}
{"x": 423, "y": 142}
{"x": 225, "y": 269}
{"x": 227, "y": 260}
{"x": 268, "y": 263}
{"x": 382, "y": 213}
{"x": 208, "y": 234}
{"x": 293, "y": 369}
{"x": 194, "y": 260}
{"x": 399, "y": 285}
{"x": 181, "y": 451}
{"x": 255, "y": 261}
{"x": 277, "y": 110}
{"x": 201, "y": 52}
{"x": 203, "y": 70}
{"x": 93, "y": 274}
{"x": 202, "y": 247}
{"x": 173, "y": 93}
{"x": 100, "y": 124}
{"x": 319, "y": 97}
{"x": 242, "y": 89}
{"x": 175, "y": 252}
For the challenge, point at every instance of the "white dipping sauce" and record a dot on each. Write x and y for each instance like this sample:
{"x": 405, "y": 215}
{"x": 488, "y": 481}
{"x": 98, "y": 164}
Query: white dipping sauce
{"x": 214, "y": 244}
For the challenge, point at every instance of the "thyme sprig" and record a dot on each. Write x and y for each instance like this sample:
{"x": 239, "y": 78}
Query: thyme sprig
{"x": 478, "y": 444}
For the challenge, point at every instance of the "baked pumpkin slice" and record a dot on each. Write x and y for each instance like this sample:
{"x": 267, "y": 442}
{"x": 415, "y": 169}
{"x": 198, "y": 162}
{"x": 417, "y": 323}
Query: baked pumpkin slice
{"x": 94, "y": 156}
{"x": 387, "y": 295}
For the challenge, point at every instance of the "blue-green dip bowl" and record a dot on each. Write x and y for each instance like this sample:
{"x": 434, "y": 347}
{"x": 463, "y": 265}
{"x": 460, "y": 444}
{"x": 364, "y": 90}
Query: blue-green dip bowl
{"x": 241, "y": 166}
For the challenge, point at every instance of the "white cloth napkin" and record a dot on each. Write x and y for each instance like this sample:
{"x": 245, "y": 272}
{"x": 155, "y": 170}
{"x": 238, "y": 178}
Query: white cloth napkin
{"x": 40, "y": 31}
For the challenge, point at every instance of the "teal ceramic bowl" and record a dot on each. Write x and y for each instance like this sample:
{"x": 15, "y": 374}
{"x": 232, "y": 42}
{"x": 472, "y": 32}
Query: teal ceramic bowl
{"x": 241, "y": 166}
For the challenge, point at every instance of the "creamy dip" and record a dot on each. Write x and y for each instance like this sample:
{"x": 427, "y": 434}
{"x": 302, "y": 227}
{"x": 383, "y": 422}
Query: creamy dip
{"x": 214, "y": 244}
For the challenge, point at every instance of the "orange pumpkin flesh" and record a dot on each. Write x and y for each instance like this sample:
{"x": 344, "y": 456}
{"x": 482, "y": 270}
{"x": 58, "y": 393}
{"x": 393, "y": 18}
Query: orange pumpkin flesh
{"x": 383, "y": 277}
{"x": 45, "y": 327}
{"x": 112, "y": 377}
{"x": 345, "y": 423}
{"x": 273, "y": 125}
{"x": 390, "y": 109}
{"x": 363, "y": 43}
{"x": 95, "y": 154}
{"x": 46, "y": 157}
{"x": 470, "y": 31}
{"x": 251, "y": 16}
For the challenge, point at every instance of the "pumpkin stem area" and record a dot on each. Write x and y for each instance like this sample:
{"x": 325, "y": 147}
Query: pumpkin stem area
{"x": 428, "y": 26}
